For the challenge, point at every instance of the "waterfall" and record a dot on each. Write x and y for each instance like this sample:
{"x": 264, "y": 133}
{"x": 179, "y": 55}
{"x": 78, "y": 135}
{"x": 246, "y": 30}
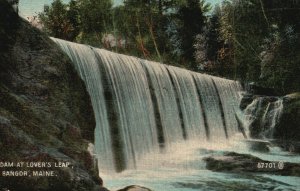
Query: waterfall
{"x": 142, "y": 106}
{"x": 271, "y": 116}
{"x": 262, "y": 116}
{"x": 188, "y": 100}
{"x": 87, "y": 65}
{"x": 228, "y": 94}
{"x": 163, "y": 90}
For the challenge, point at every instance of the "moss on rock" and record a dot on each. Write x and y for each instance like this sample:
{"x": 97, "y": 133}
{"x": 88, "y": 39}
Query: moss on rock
{"x": 45, "y": 110}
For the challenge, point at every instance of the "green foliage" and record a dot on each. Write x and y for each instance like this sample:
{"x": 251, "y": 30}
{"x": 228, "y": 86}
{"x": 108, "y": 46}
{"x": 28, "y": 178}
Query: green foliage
{"x": 79, "y": 19}
{"x": 280, "y": 60}
{"x": 161, "y": 30}
{"x": 191, "y": 23}
{"x": 59, "y": 21}
{"x": 255, "y": 40}
{"x": 249, "y": 40}
{"x": 95, "y": 15}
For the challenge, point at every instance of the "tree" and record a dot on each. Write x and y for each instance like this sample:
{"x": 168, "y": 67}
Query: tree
{"x": 243, "y": 27}
{"x": 60, "y": 21}
{"x": 142, "y": 23}
{"x": 73, "y": 16}
{"x": 82, "y": 20}
{"x": 259, "y": 52}
{"x": 280, "y": 60}
{"x": 95, "y": 15}
{"x": 211, "y": 51}
{"x": 191, "y": 22}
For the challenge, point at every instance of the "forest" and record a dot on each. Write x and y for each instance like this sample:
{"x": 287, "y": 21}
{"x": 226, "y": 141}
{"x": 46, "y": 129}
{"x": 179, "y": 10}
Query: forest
{"x": 247, "y": 40}
{"x": 123, "y": 120}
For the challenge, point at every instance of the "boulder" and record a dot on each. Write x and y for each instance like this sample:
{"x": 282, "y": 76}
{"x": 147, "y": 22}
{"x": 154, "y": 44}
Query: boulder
{"x": 274, "y": 118}
{"x": 288, "y": 127}
{"x": 246, "y": 100}
{"x": 134, "y": 188}
{"x": 244, "y": 163}
{"x": 257, "y": 89}
{"x": 45, "y": 110}
{"x": 258, "y": 145}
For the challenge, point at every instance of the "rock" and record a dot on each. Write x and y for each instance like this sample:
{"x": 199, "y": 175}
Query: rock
{"x": 256, "y": 89}
{"x": 100, "y": 188}
{"x": 4, "y": 122}
{"x": 246, "y": 100}
{"x": 258, "y": 145}
{"x": 134, "y": 188}
{"x": 291, "y": 97}
{"x": 242, "y": 163}
{"x": 262, "y": 114}
{"x": 45, "y": 110}
{"x": 288, "y": 127}
{"x": 273, "y": 117}
{"x": 291, "y": 146}
{"x": 14, "y": 4}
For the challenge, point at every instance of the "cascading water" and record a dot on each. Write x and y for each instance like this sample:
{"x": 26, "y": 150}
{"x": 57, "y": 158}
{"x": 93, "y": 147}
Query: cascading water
{"x": 89, "y": 70}
{"x": 188, "y": 100}
{"x": 263, "y": 114}
{"x": 229, "y": 97}
{"x": 157, "y": 122}
{"x": 211, "y": 105}
{"x": 271, "y": 116}
{"x": 144, "y": 106}
{"x": 132, "y": 106}
{"x": 165, "y": 100}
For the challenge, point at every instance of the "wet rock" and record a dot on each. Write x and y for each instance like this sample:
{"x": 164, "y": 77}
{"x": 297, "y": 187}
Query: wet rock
{"x": 258, "y": 145}
{"x": 233, "y": 183}
{"x": 246, "y": 100}
{"x": 273, "y": 117}
{"x": 256, "y": 89}
{"x": 100, "y": 188}
{"x": 45, "y": 110}
{"x": 135, "y": 188}
{"x": 291, "y": 146}
{"x": 262, "y": 114}
{"x": 242, "y": 163}
{"x": 288, "y": 127}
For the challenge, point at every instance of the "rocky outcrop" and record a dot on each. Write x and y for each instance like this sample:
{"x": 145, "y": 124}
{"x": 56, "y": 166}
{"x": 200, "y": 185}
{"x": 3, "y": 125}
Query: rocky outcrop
{"x": 274, "y": 118}
{"x": 256, "y": 89}
{"x": 134, "y": 188}
{"x": 287, "y": 130}
{"x": 45, "y": 111}
{"x": 262, "y": 113}
{"x": 241, "y": 163}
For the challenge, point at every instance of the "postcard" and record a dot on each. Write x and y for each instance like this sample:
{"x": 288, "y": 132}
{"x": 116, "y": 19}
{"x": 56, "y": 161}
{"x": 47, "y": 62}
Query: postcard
{"x": 149, "y": 95}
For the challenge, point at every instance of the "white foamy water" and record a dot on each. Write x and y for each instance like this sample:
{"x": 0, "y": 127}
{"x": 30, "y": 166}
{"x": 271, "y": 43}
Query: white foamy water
{"x": 141, "y": 106}
{"x": 184, "y": 170}
{"x": 154, "y": 122}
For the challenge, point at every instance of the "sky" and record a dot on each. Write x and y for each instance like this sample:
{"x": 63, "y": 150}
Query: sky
{"x": 29, "y": 8}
